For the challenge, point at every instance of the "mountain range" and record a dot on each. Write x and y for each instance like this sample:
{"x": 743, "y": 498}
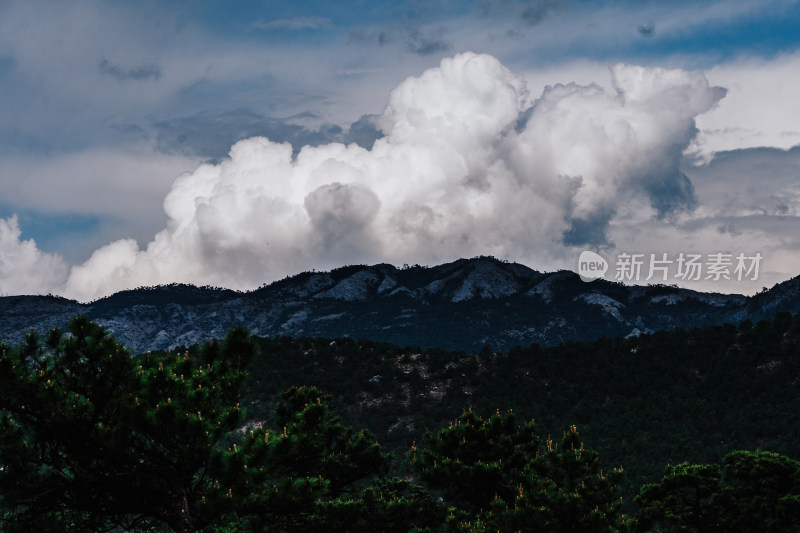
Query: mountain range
{"x": 463, "y": 305}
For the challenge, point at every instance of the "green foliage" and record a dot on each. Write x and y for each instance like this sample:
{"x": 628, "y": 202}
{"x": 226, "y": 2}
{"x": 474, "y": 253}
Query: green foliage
{"x": 389, "y": 505}
{"x": 750, "y": 491}
{"x": 494, "y": 477}
{"x": 682, "y": 500}
{"x": 656, "y": 399}
{"x": 276, "y": 478}
{"x": 641, "y": 402}
{"x": 473, "y": 458}
{"x": 321, "y": 445}
{"x": 94, "y": 438}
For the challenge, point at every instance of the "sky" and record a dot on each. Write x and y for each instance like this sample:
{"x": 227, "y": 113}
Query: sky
{"x": 234, "y": 143}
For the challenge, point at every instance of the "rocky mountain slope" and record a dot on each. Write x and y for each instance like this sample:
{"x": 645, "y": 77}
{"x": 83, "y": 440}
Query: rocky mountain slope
{"x": 462, "y": 305}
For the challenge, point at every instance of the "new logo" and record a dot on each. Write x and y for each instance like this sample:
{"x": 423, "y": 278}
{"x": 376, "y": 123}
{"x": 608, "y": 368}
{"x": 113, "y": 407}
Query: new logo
{"x": 591, "y": 266}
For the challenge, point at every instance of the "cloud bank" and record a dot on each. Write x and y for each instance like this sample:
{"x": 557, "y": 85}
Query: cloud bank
{"x": 24, "y": 269}
{"x": 469, "y": 164}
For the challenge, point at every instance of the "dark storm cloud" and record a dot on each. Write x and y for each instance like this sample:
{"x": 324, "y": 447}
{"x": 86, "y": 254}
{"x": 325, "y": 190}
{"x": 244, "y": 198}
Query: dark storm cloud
{"x": 139, "y": 73}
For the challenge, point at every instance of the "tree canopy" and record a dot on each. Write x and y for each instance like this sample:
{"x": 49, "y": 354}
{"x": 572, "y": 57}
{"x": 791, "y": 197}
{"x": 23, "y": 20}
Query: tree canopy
{"x": 749, "y": 491}
{"x": 93, "y": 438}
{"x": 495, "y": 475}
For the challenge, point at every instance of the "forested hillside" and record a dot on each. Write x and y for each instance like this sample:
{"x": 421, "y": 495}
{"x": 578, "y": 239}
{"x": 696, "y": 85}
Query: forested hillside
{"x": 674, "y": 431}
{"x": 463, "y": 305}
{"x": 642, "y": 402}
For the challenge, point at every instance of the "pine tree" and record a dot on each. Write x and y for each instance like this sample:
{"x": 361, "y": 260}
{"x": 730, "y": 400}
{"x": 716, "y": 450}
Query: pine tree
{"x": 570, "y": 489}
{"x": 94, "y": 438}
{"x": 683, "y": 499}
{"x": 749, "y": 491}
{"x": 277, "y": 477}
{"x": 474, "y": 459}
{"x": 495, "y": 478}
{"x": 387, "y": 505}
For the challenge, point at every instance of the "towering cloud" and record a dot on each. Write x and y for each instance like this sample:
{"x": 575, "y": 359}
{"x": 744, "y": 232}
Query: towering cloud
{"x": 469, "y": 164}
{"x": 615, "y": 147}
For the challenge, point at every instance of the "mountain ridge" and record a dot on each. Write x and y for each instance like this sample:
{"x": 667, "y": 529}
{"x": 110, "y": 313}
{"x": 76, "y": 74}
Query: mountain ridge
{"x": 463, "y": 305}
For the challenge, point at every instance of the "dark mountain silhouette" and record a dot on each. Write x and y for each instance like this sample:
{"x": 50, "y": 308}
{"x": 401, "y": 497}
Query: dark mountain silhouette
{"x": 463, "y": 305}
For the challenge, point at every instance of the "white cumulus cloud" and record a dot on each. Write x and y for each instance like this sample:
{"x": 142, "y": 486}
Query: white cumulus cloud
{"x": 470, "y": 164}
{"x": 24, "y": 269}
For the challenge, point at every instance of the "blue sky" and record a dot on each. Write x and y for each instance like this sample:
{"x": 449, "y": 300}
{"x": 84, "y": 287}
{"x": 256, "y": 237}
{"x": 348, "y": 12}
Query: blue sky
{"x": 106, "y": 104}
